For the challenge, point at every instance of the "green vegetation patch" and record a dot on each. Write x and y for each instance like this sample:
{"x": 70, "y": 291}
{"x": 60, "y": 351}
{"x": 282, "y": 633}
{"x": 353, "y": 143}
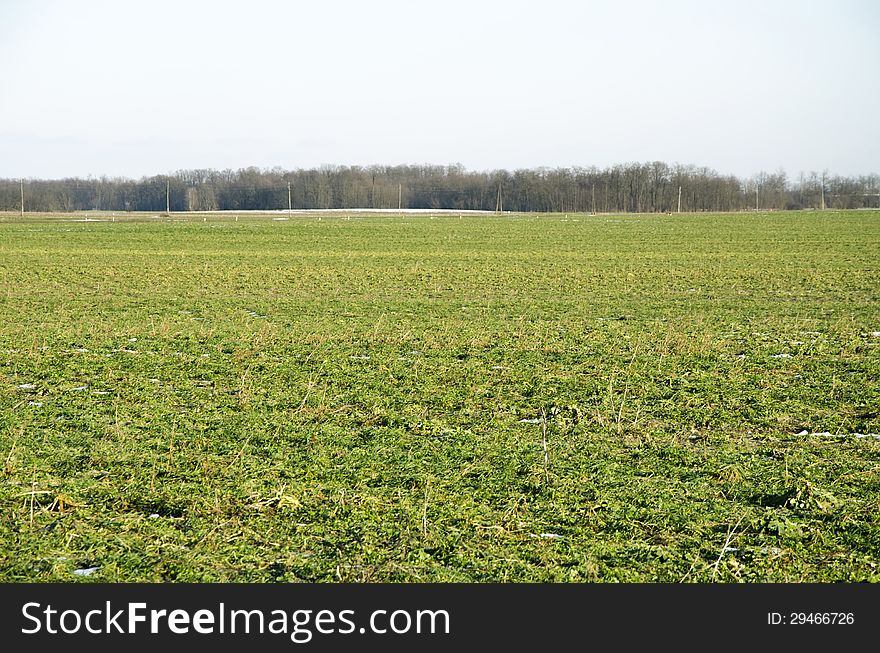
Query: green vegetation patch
{"x": 497, "y": 398}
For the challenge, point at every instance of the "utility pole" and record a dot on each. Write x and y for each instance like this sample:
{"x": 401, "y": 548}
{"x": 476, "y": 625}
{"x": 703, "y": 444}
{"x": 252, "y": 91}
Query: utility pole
{"x": 289, "y": 201}
{"x": 21, "y": 191}
{"x": 593, "y": 197}
{"x": 679, "y": 199}
{"x": 399, "y": 196}
{"x": 756, "y": 198}
{"x": 167, "y": 196}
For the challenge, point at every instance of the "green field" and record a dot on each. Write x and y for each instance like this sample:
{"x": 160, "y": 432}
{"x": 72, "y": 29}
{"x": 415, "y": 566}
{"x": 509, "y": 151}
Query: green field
{"x": 342, "y": 399}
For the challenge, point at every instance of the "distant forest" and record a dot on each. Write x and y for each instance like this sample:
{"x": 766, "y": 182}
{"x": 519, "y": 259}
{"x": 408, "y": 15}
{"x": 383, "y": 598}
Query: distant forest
{"x": 634, "y": 187}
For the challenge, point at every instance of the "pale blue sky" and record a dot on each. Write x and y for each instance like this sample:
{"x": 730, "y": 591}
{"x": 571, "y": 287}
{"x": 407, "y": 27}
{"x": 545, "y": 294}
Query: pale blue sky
{"x": 148, "y": 87}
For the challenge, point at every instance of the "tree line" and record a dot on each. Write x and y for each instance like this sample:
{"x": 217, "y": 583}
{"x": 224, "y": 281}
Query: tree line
{"x": 633, "y": 187}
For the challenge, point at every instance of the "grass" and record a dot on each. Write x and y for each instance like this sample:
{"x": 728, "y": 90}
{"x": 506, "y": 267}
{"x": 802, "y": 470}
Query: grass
{"x": 341, "y": 399}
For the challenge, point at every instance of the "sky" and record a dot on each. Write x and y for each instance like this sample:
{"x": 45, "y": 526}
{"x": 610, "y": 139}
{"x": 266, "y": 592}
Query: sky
{"x": 136, "y": 88}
